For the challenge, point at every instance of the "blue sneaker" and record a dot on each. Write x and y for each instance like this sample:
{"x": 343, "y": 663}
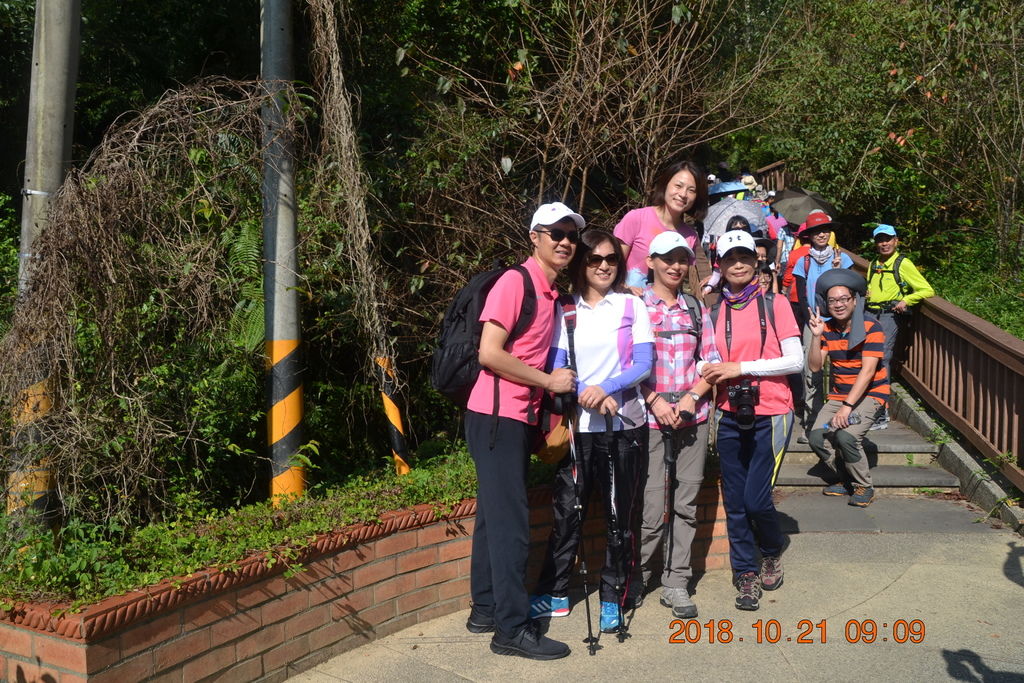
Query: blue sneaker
{"x": 610, "y": 620}
{"x": 547, "y": 605}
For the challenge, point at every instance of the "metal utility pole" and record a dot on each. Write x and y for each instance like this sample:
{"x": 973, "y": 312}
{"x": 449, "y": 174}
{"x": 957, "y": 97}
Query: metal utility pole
{"x": 280, "y": 266}
{"x": 51, "y": 114}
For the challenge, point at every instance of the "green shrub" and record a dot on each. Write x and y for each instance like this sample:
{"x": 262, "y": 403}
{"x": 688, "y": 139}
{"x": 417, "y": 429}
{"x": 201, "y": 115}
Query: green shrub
{"x": 83, "y": 562}
{"x": 9, "y": 235}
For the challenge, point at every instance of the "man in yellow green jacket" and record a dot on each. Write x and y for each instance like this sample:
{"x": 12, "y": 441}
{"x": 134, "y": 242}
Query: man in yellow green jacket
{"x": 894, "y": 285}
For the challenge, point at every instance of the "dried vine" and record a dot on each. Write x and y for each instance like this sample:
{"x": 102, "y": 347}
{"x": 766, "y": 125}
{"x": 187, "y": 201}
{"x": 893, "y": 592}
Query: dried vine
{"x": 147, "y": 273}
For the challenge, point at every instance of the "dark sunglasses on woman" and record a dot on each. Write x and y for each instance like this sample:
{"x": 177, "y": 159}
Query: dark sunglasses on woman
{"x": 595, "y": 260}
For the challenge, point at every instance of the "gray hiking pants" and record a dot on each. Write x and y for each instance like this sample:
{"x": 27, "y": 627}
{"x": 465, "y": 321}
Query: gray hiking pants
{"x": 846, "y": 443}
{"x": 691, "y": 445}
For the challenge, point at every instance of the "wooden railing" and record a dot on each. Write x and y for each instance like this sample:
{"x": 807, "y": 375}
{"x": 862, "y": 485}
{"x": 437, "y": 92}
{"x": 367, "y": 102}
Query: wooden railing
{"x": 972, "y": 374}
{"x": 774, "y": 176}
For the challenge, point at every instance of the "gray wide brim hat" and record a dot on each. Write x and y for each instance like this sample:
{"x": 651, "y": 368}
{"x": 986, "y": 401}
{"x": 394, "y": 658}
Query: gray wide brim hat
{"x": 844, "y": 277}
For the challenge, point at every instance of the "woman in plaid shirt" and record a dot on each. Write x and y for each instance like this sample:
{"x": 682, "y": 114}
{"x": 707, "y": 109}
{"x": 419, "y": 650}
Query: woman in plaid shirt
{"x": 675, "y": 395}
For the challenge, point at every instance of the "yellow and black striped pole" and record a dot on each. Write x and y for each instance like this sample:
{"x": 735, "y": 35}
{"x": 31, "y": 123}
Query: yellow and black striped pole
{"x": 280, "y": 266}
{"x": 284, "y": 419}
{"x": 396, "y": 436}
{"x": 31, "y": 487}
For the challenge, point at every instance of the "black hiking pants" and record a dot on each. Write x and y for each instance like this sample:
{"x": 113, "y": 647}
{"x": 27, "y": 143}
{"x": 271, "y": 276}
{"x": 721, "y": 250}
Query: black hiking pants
{"x": 592, "y": 453}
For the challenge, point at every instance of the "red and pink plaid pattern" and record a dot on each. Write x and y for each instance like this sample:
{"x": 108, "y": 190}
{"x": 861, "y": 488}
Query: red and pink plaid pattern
{"x": 675, "y": 368}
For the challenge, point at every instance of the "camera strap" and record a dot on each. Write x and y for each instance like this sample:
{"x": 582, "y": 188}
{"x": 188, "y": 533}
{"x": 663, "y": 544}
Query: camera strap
{"x": 762, "y": 319}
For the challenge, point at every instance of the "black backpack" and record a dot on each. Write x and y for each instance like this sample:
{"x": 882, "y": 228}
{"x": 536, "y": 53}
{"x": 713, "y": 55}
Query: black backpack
{"x": 875, "y": 269}
{"x": 455, "y": 365}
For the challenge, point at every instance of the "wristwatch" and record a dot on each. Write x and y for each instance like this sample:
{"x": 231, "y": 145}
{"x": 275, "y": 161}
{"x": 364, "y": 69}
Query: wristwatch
{"x": 694, "y": 395}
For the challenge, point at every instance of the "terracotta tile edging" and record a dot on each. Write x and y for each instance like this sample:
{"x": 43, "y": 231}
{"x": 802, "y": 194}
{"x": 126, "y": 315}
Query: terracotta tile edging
{"x": 95, "y": 622}
{"x": 117, "y": 613}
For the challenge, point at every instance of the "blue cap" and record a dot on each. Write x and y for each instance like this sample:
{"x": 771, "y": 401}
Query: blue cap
{"x": 884, "y": 229}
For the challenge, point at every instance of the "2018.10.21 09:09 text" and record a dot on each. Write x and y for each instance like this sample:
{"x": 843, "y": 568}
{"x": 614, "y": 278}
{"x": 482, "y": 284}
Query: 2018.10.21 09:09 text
{"x": 866, "y": 631}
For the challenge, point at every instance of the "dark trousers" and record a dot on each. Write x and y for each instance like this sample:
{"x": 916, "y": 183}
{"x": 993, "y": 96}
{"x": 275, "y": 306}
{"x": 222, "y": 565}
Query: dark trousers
{"x": 594, "y": 462}
{"x": 749, "y": 460}
{"x": 501, "y": 537}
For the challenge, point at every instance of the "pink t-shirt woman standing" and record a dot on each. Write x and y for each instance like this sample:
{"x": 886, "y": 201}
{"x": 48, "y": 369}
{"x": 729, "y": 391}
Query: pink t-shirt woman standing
{"x": 679, "y": 197}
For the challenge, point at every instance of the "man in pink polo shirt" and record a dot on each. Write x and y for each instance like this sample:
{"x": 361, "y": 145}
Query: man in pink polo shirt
{"x": 500, "y": 445}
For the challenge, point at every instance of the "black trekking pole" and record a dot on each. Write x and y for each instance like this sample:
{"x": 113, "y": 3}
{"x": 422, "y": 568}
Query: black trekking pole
{"x": 614, "y": 529}
{"x": 591, "y": 641}
{"x": 668, "y": 436}
{"x": 670, "y": 469}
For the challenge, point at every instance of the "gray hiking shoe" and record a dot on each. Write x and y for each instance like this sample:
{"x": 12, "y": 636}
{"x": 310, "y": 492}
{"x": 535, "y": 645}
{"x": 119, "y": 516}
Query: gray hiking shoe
{"x": 748, "y": 596}
{"x": 771, "y": 573}
{"x": 679, "y": 600}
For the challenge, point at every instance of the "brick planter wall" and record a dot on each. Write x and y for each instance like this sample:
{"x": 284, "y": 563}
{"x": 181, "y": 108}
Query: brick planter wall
{"x": 360, "y": 583}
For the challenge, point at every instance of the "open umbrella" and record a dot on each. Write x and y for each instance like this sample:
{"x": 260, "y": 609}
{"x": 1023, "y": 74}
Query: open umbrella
{"x": 719, "y": 214}
{"x": 726, "y": 188}
{"x": 795, "y": 203}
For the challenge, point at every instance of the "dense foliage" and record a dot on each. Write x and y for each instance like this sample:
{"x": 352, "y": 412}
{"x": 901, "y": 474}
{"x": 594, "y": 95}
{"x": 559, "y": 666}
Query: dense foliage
{"x": 909, "y": 114}
{"x": 468, "y": 113}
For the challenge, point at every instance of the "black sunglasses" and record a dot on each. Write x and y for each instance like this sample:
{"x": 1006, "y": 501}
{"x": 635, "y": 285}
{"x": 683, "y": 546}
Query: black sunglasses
{"x": 671, "y": 260}
{"x": 595, "y": 260}
{"x": 557, "y": 235}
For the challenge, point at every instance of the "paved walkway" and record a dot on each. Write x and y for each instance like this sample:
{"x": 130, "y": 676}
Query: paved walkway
{"x": 905, "y": 560}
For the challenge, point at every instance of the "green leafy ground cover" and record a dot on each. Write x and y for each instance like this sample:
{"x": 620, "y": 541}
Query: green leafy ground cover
{"x": 83, "y": 562}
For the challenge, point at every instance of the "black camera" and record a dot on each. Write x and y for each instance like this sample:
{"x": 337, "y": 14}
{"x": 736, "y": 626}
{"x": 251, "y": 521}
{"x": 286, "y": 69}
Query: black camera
{"x": 560, "y": 404}
{"x": 742, "y": 399}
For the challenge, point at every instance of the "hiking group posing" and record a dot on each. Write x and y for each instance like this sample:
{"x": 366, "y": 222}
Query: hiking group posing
{"x": 645, "y": 374}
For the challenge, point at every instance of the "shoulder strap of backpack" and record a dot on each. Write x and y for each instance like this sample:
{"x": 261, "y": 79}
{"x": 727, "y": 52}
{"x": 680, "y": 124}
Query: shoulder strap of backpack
{"x": 900, "y": 282}
{"x": 526, "y": 316}
{"x": 694, "y": 309}
{"x": 872, "y": 269}
{"x": 769, "y": 301}
{"x": 529, "y": 310}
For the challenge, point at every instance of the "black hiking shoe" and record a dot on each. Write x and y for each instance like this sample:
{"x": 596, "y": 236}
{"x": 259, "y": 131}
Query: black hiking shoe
{"x": 529, "y": 643}
{"x": 749, "y": 586}
{"x": 479, "y": 622}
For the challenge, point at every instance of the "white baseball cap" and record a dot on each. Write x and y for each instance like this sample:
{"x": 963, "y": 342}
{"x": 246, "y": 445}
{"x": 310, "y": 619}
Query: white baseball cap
{"x": 549, "y": 214}
{"x": 667, "y": 242}
{"x": 735, "y": 239}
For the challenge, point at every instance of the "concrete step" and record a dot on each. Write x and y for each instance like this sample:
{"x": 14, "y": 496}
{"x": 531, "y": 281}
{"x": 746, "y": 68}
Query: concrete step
{"x": 898, "y": 439}
{"x": 882, "y": 476}
{"x": 874, "y": 458}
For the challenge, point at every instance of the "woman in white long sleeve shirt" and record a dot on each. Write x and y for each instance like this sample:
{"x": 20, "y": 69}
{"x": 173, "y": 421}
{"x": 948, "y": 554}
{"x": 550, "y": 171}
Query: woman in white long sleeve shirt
{"x": 759, "y": 342}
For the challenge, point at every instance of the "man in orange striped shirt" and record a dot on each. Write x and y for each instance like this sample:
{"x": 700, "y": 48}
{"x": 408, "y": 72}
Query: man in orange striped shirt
{"x": 859, "y": 387}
